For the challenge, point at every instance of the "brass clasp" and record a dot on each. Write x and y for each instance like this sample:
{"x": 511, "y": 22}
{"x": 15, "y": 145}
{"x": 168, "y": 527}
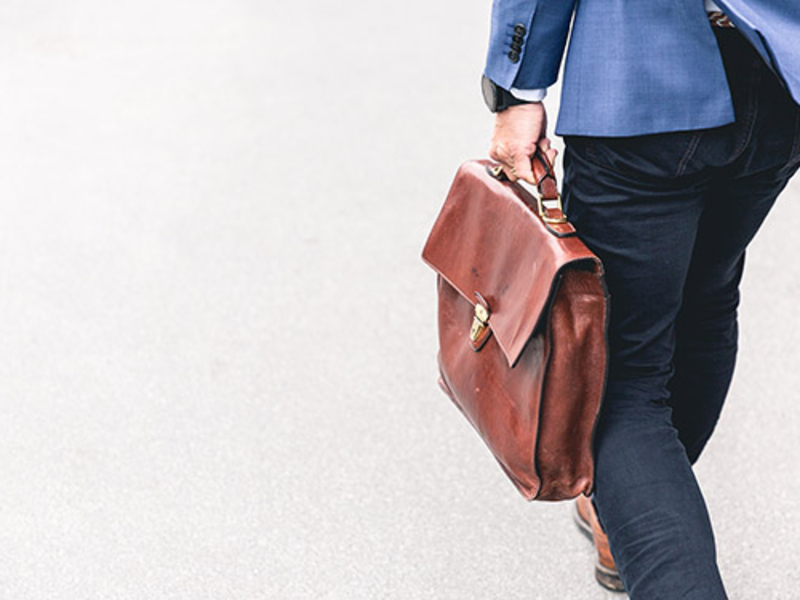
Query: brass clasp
{"x": 496, "y": 171}
{"x": 543, "y": 210}
{"x": 479, "y": 322}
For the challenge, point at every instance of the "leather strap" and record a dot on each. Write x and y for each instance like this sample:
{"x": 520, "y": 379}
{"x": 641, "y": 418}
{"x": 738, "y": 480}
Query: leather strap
{"x": 544, "y": 175}
{"x": 547, "y": 187}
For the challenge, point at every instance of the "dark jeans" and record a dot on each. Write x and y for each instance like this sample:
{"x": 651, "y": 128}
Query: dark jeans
{"x": 671, "y": 215}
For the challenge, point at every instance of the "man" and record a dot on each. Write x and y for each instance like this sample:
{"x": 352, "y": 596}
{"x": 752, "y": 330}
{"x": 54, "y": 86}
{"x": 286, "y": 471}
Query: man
{"x": 681, "y": 126}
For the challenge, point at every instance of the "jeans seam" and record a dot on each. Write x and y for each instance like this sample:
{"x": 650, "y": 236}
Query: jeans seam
{"x": 751, "y": 115}
{"x": 689, "y": 154}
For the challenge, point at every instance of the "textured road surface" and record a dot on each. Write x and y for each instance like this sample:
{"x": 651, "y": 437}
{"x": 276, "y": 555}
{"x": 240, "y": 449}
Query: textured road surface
{"x": 218, "y": 339}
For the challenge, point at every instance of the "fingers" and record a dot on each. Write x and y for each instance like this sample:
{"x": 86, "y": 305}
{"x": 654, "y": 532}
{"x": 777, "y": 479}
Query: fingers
{"x": 522, "y": 168}
{"x": 516, "y": 163}
{"x": 500, "y": 154}
{"x": 551, "y": 153}
{"x": 517, "y": 130}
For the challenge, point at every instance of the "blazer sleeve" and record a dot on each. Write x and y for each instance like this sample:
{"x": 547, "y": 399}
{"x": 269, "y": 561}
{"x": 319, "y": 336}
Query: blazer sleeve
{"x": 526, "y": 42}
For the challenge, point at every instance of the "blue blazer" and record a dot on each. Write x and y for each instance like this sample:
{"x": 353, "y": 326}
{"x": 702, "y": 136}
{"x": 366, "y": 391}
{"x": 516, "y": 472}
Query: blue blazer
{"x": 636, "y": 66}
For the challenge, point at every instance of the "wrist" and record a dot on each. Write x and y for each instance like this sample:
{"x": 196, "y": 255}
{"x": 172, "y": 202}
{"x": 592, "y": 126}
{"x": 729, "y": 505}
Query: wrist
{"x": 531, "y": 95}
{"x": 499, "y": 99}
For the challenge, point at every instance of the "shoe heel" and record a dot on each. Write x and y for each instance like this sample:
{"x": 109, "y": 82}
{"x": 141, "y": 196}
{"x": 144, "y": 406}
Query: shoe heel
{"x": 584, "y": 527}
{"x": 608, "y": 579}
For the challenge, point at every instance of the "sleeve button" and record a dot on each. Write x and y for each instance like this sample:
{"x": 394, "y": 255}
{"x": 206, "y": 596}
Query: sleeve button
{"x": 517, "y": 39}
{"x": 513, "y": 56}
{"x": 519, "y": 29}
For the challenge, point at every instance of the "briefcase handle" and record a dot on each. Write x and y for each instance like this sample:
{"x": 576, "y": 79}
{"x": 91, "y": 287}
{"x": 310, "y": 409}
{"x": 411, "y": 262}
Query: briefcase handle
{"x": 545, "y": 175}
{"x": 548, "y": 200}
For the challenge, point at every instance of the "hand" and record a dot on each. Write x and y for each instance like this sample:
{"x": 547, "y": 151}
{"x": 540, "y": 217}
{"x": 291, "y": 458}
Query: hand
{"x": 518, "y": 130}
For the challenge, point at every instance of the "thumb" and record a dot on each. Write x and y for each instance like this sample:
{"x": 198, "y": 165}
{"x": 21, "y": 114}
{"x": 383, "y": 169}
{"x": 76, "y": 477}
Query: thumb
{"x": 551, "y": 153}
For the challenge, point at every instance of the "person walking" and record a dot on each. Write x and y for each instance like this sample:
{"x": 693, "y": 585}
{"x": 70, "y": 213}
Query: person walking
{"x": 681, "y": 126}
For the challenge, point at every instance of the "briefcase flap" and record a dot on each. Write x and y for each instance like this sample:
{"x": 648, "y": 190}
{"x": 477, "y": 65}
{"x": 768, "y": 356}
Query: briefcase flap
{"x": 490, "y": 239}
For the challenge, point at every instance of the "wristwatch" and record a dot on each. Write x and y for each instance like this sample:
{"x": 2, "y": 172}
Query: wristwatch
{"x": 497, "y": 98}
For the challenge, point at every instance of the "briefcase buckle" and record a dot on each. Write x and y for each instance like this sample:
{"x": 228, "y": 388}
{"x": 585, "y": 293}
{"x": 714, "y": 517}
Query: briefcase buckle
{"x": 479, "y": 322}
{"x": 544, "y": 210}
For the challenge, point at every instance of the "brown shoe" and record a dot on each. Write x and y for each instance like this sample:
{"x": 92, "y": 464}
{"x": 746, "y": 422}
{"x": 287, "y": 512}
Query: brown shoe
{"x": 605, "y": 570}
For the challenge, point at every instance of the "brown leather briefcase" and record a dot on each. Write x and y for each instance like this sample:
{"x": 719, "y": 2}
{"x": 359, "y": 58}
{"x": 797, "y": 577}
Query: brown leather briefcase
{"x": 522, "y": 326}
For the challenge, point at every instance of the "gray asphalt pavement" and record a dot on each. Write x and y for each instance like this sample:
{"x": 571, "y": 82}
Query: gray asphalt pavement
{"x": 218, "y": 340}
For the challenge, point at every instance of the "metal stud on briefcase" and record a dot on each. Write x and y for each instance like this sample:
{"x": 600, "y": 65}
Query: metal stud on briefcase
{"x": 522, "y": 323}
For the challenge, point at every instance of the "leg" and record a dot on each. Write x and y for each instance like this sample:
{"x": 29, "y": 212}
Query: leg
{"x": 706, "y": 332}
{"x": 671, "y": 215}
{"x": 752, "y": 160}
{"x": 674, "y": 255}
{"x": 644, "y": 229}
